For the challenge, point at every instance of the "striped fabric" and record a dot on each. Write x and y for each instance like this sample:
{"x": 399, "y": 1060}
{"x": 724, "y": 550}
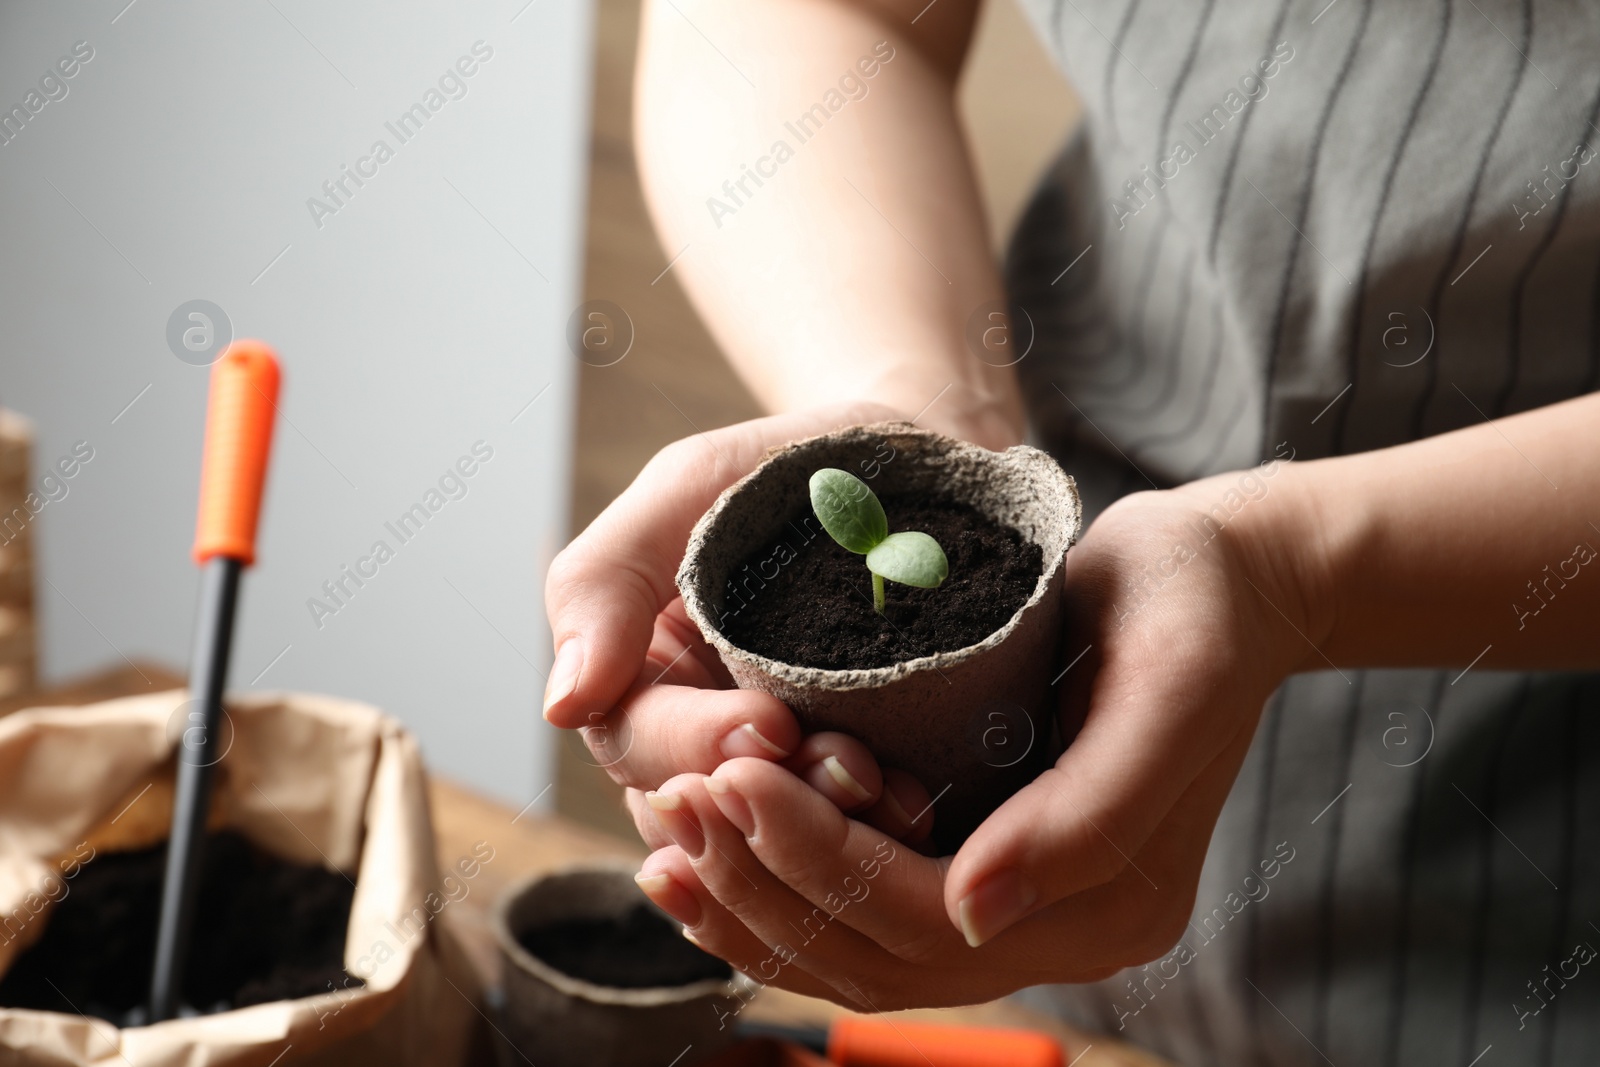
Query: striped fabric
{"x": 1319, "y": 228}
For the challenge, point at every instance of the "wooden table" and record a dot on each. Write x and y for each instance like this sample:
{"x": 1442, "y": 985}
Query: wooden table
{"x": 527, "y": 843}
{"x": 532, "y": 843}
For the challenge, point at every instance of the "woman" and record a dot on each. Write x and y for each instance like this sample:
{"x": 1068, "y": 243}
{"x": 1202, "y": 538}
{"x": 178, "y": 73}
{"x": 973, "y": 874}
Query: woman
{"x": 1329, "y": 800}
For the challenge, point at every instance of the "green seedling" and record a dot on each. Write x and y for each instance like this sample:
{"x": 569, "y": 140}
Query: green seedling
{"x": 853, "y": 516}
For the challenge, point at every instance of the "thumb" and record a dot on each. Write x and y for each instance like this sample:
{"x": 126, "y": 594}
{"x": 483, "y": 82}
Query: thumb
{"x": 605, "y": 589}
{"x": 1081, "y": 823}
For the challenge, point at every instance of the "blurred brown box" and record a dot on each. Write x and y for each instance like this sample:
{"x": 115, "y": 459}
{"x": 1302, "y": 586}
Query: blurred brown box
{"x": 17, "y": 643}
{"x": 16, "y": 438}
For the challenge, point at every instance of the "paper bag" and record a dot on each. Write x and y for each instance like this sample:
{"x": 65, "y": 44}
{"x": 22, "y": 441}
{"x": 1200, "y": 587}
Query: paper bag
{"x": 310, "y": 779}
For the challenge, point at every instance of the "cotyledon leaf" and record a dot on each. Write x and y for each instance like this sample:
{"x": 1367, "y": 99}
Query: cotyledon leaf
{"x": 848, "y": 510}
{"x": 910, "y": 558}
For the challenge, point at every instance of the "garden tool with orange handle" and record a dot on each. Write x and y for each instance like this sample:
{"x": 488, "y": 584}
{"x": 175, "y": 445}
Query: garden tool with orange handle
{"x": 239, "y": 418}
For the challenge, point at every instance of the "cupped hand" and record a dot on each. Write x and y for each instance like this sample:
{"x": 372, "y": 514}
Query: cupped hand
{"x": 633, "y": 673}
{"x": 1092, "y": 867}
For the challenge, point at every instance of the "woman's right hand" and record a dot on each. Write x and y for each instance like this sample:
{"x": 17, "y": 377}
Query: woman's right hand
{"x": 634, "y": 675}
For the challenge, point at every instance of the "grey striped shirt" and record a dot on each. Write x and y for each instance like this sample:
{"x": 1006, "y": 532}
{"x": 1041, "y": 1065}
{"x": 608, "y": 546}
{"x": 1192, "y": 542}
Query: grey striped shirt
{"x": 1322, "y": 228}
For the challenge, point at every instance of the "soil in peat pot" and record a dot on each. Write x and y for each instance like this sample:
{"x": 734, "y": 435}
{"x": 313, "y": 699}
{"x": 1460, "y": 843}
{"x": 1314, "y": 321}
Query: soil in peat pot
{"x": 816, "y": 610}
{"x": 638, "y": 950}
{"x": 265, "y": 930}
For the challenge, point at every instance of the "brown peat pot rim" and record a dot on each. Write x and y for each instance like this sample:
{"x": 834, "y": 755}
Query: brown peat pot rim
{"x": 699, "y": 586}
{"x": 564, "y": 886}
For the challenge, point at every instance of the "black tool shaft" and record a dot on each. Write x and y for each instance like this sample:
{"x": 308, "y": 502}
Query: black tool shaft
{"x": 199, "y": 749}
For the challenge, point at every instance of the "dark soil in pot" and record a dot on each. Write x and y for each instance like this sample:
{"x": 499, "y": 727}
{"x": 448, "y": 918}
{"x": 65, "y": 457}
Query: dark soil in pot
{"x": 267, "y": 930}
{"x": 816, "y": 610}
{"x": 636, "y": 950}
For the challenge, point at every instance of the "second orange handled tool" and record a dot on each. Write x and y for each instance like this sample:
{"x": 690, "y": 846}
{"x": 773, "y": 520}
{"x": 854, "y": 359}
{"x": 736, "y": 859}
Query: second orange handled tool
{"x": 866, "y": 1041}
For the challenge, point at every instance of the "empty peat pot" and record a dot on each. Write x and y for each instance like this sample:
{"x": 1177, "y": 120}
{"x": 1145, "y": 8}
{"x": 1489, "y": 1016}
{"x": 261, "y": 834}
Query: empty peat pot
{"x": 594, "y": 973}
{"x": 973, "y": 724}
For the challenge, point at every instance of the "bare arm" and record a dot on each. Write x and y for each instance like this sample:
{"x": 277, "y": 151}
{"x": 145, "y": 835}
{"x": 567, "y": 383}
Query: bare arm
{"x": 806, "y": 157}
{"x": 1428, "y": 553}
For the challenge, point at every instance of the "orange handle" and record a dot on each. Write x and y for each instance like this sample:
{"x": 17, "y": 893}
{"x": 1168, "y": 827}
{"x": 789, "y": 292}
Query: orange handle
{"x": 866, "y": 1042}
{"x": 239, "y": 416}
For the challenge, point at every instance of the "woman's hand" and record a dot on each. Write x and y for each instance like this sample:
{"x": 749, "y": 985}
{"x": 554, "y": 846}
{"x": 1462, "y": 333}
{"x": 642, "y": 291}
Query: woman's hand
{"x": 633, "y": 673}
{"x": 1188, "y": 625}
{"x": 1193, "y": 605}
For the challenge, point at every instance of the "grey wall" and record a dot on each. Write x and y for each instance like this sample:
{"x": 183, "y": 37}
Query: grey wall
{"x": 419, "y": 318}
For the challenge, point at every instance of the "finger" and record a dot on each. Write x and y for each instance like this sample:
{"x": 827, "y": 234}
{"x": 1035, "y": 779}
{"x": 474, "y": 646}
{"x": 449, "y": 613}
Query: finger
{"x": 796, "y": 929}
{"x": 904, "y": 811}
{"x": 902, "y": 794}
{"x": 604, "y": 590}
{"x": 659, "y": 731}
{"x": 685, "y": 657}
{"x": 644, "y": 820}
{"x": 669, "y": 880}
{"x": 883, "y": 891}
{"x": 840, "y": 768}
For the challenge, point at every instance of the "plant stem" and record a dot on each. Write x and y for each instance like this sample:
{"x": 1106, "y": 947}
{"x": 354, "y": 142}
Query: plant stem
{"x": 877, "y": 593}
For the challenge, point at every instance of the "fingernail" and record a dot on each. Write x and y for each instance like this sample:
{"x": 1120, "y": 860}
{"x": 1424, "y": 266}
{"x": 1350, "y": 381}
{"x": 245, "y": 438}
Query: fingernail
{"x": 731, "y": 804}
{"x": 673, "y": 815}
{"x": 997, "y": 903}
{"x": 746, "y": 740}
{"x": 564, "y": 673}
{"x": 846, "y": 780}
{"x": 668, "y": 894}
{"x": 652, "y": 883}
{"x": 688, "y": 935}
{"x": 663, "y": 802}
{"x": 898, "y": 809}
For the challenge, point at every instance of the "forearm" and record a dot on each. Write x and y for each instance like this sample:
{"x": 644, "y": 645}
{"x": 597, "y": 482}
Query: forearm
{"x": 1431, "y": 552}
{"x": 846, "y": 263}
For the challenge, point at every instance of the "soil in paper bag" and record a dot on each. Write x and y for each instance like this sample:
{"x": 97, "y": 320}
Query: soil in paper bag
{"x": 266, "y": 930}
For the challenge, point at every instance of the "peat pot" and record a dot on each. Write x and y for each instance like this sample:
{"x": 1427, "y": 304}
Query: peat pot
{"x": 974, "y": 724}
{"x": 672, "y": 1006}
